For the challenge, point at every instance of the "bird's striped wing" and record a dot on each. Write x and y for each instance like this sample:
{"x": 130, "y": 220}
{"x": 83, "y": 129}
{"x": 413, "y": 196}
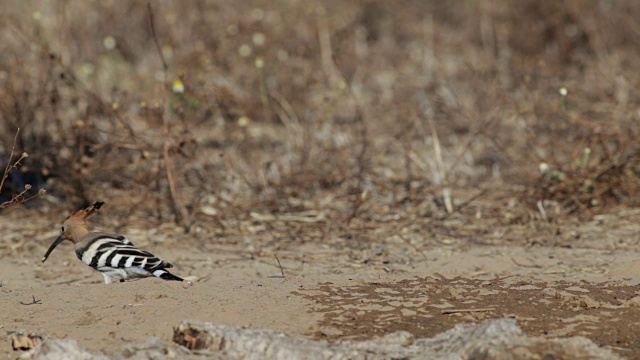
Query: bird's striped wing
{"x": 116, "y": 251}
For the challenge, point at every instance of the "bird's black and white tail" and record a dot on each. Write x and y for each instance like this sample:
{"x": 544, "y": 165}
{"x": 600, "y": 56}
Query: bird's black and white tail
{"x": 119, "y": 260}
{"x": 165, "y": 275}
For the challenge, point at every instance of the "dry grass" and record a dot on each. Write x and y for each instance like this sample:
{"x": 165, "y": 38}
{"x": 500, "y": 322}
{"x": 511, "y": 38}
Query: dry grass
{"x": 426, "y": 115}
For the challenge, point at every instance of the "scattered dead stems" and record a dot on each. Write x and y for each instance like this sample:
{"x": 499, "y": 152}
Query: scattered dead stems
{"x": 336, "y": 79}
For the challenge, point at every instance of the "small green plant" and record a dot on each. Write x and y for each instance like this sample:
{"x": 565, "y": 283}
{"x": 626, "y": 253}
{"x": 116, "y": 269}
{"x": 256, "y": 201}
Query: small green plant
{"x": 584, "y": 162}
{"x": 558, "y": 175}
{"x": 552, "y": 173}
{"x": 563, "y": 95}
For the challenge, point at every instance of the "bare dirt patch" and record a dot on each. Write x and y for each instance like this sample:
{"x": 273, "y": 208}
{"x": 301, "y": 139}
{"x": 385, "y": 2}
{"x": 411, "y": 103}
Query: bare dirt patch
{"x": 608, "y": 314}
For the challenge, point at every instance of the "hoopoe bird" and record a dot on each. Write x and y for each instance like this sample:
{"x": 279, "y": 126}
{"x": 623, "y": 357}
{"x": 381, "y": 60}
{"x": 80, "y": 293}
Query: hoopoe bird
{"x": 114, "y": 256}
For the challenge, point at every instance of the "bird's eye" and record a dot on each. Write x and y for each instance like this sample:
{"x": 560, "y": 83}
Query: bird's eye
{"x": 62, "y": 229}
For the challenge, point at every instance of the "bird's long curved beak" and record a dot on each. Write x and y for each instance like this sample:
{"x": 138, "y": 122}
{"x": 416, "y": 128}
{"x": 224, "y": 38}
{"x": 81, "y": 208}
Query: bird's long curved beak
{"x": 53, "y": 246}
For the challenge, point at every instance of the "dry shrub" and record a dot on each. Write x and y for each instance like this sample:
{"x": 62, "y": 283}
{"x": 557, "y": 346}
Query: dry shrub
{"x": 359, "y": 109}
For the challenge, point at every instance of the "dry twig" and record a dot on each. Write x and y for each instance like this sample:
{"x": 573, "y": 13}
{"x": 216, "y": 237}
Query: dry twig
{"x": 33, "y": 302}
{"x": 10, "y": 167}
{"x": 279, "y": 265}
{"x": 446, "y": 190}
{"x": 457, "y": 311}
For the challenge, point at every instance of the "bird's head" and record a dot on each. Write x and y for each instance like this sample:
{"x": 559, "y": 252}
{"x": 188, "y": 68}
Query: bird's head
{"x": 74, "y": 228}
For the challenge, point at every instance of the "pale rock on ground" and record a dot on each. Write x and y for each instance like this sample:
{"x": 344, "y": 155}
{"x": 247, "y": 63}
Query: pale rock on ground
{"x": 492, "y": 339}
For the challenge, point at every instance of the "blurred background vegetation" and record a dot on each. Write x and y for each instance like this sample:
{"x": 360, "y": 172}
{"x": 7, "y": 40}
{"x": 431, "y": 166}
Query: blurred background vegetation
{"x": 341, "y": 116}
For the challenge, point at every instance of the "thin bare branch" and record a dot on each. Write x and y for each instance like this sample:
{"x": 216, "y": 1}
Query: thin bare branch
{"x": 168, "y": 164}
{"x": 10, "y": 167}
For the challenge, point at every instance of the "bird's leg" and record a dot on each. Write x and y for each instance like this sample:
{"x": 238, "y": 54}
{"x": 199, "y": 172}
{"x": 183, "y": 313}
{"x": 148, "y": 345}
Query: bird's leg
{"x": 107, "y": 279}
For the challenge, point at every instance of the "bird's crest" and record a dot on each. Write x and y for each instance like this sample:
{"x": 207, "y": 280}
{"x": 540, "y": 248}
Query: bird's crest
{"x": 84, "y": 212}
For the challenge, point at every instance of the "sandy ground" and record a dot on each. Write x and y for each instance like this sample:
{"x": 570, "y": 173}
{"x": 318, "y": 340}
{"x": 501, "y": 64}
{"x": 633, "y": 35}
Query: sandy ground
{"x": 327, "y": 293}
{"x": 413, "y": 165}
